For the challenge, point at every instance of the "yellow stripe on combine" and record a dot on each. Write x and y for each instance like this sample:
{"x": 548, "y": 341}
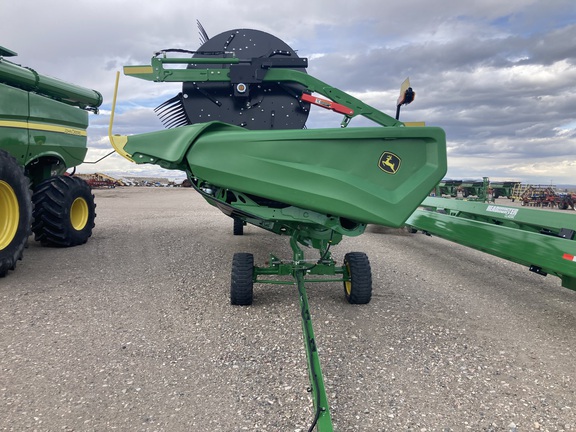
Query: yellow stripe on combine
{"x": 44, "y": 127}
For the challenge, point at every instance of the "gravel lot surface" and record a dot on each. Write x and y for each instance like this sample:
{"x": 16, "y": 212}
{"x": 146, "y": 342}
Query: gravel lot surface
{"x": 133, "y": 331}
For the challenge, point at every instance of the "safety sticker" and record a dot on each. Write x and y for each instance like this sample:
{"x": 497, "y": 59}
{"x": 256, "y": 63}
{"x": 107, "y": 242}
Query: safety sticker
{"x": 508, "y": 212}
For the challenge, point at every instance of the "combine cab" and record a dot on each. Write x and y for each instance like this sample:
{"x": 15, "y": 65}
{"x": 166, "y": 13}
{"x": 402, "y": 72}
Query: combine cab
{"x": 43, "y": 124}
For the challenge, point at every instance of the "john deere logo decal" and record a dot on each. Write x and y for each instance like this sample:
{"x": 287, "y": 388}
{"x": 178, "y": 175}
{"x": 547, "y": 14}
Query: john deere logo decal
{"x": 389, "y": 163}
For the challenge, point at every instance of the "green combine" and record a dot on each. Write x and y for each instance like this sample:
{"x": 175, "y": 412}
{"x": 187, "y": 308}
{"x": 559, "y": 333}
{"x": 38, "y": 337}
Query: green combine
{"x": 43, "y": 124}
{"x": 237, "y": 130}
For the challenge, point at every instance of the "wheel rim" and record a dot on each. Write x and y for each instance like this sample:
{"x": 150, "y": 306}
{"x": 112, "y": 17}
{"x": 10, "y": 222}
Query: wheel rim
{"x": 9, "y": 214}
{"x": 79, "y": 213}
{"x": 348, "y": 283}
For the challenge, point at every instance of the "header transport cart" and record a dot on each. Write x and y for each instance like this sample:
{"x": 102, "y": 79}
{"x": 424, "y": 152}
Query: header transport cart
{"x": 237, "y": 131}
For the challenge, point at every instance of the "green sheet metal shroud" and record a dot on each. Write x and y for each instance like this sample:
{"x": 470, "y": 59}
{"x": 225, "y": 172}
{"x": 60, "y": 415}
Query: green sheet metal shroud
{"x": 371, "y": 175}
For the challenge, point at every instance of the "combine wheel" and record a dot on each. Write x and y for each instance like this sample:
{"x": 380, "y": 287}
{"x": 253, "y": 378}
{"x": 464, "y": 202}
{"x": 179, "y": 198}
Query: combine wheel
{"x": 358, "y": 289}
{"x": 15, "y": 212}
{"x": 238, "y": 226}
{"x": 64, "y": 211}
{"x": 242, "y": 284}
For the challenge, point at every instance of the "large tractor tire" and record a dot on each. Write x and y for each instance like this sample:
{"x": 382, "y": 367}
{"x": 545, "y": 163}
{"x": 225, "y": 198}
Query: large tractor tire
{"x": 358, "y": 287}
{"x": 64, "y": 211}
{"x": 15, "y": 212}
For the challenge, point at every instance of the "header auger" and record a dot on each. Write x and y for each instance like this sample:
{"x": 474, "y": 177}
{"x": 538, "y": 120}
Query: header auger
{"x": 237, "y": 131}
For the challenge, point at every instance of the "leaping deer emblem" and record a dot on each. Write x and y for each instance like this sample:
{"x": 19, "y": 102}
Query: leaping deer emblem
{"x": 389, "y": 163}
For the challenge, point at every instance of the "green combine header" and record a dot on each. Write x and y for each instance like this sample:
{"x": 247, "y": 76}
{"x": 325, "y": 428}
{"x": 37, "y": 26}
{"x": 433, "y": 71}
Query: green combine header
{"x": 237, "y": 130}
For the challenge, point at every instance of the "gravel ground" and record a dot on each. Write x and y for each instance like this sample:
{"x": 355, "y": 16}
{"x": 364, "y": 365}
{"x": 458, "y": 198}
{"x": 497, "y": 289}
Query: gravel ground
{"x": 134, "y": 332}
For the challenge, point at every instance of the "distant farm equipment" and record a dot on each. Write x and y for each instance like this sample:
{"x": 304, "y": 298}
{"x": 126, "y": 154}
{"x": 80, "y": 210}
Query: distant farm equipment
{"x": 543, "y": 196}
{"x": 100, "y": 181}
{"x": 475, "y": 190}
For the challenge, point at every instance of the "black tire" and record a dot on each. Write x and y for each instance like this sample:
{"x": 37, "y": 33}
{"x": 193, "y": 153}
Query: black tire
{"x": 358, "y": 289}
{"x": 238, "y": 226}
{"x": 242, "y": 283}
{"x": 15, "y": 212}
{"x": 64, "y": 211}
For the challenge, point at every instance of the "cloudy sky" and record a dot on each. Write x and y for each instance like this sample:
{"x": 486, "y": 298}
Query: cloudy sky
{"x": 498, "y": 76}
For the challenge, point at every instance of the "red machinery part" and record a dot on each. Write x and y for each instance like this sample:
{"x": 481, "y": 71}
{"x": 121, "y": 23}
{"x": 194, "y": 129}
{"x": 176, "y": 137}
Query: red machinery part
{"x": 328, "y": 104}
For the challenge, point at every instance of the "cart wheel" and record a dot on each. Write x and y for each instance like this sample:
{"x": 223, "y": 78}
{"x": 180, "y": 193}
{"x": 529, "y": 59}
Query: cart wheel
{"x": 242, "y": 284}
{"x": 358, "y": 287}
{"x": 238, "y": 226}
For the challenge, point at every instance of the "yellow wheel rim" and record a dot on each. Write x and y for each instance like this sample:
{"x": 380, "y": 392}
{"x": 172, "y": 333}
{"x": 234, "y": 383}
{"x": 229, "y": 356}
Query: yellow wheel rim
{"x": 9, "y": 214}
{"x": 348, "y": 284}
{"x": 79, "y": 214}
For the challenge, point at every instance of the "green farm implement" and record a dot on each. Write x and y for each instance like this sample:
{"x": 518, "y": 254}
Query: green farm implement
{"x": 43, "y": 124}
{"x": 544, "y": 242}
{"x": 482, "y": 190}
{"x": 237, "y": 131}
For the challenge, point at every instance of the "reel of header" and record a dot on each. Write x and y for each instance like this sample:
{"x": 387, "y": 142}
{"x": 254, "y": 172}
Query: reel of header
{"x": 247, "y": 101}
